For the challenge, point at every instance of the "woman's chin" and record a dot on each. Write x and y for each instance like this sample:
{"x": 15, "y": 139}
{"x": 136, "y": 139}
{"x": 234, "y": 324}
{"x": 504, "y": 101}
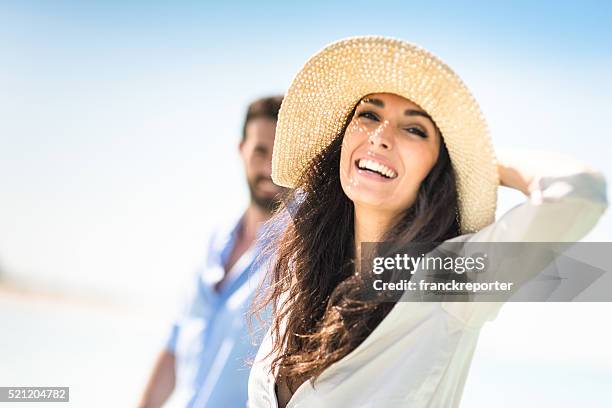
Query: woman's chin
{"x": 373, "y": 199}
{"x": 368, "y": 194}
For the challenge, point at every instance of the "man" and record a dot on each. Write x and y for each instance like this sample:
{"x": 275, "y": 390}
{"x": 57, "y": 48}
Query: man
{"x": 206, "y": 352}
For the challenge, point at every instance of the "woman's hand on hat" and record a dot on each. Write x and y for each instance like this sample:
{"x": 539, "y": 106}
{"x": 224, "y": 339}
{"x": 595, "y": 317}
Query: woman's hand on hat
{"x": 519, "y": 169}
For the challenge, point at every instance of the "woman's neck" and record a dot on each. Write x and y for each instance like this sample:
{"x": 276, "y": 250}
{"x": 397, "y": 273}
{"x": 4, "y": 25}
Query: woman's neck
{"x": 370, "y": 226}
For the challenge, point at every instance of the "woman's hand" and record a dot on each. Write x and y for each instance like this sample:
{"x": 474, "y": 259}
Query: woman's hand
{"x": 520, "y": 169}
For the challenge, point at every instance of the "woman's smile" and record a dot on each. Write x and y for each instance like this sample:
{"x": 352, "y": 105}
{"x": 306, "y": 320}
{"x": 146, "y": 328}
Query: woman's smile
{"x": 375, "y": 169}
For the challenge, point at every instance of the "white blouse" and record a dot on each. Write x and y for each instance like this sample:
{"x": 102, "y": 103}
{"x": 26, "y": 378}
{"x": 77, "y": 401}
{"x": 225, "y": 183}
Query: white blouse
{"x": 420, "y": 354}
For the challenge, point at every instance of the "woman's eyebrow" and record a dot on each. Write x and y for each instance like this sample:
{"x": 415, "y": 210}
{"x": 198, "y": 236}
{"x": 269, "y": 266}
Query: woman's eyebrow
{"x": 407, "y": 112}
{"x": 414, "y": 112}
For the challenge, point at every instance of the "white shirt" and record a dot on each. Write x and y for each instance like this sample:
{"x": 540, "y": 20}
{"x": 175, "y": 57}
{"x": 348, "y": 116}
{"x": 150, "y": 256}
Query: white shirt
{"x": 420, "y": 354}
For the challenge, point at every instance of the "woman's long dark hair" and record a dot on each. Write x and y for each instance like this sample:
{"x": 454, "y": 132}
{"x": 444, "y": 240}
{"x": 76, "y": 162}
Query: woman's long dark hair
{"x": 321, "y": 311}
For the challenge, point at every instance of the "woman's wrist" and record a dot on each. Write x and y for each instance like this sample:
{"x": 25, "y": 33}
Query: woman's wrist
{"x": 521, "y": 170}
{"x": 514, "y": 177}
{"x": 515, "y": 170}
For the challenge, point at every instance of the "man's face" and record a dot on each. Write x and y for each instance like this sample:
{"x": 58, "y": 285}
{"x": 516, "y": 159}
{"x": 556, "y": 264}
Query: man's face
{"x": 256, "y": 153}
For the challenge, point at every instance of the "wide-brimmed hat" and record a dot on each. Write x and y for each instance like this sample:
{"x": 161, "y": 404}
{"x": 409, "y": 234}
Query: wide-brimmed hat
{"x": 325, "y": 91}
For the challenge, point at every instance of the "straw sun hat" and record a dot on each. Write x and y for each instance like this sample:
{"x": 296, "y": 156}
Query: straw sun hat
{"x": 325, "y": 91}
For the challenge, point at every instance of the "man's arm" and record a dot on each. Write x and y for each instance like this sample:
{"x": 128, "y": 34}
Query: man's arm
{"x": 194, "y": 304}
{"x": 161, "y": 383}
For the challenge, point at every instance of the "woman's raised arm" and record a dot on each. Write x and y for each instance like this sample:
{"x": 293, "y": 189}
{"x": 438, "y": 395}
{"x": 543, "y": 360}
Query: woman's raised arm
{"x": 565, "y": 199}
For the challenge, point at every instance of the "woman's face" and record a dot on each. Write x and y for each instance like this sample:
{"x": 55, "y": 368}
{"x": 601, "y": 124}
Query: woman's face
{"x": 389, "y": 147}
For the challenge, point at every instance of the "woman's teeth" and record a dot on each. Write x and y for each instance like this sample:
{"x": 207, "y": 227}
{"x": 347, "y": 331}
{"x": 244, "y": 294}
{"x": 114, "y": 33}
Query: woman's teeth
{"x": 365, "y": 164}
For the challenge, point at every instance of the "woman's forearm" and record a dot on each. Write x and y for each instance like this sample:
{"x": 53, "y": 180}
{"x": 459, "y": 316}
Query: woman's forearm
{"x": 519, "y": 169}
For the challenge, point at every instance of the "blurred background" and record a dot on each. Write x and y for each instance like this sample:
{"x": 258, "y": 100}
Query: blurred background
{"x": 119, "y": 127}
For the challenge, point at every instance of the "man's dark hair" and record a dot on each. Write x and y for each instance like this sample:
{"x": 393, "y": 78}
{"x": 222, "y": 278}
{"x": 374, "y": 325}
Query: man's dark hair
{"x": 262, "y": 108}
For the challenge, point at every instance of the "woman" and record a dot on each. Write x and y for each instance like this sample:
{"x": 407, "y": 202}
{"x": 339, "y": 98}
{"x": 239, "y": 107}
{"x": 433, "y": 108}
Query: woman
{"x": 381, "y": 141}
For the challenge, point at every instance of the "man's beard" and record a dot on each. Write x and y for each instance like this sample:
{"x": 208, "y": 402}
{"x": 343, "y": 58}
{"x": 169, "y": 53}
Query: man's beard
{"x": 268, "y": 204}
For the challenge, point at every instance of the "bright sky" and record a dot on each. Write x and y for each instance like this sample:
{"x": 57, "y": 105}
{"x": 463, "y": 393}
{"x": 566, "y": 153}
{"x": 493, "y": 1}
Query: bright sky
{"x": 120, "y": 122}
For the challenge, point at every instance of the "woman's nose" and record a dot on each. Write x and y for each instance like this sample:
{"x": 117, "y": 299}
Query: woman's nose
{"x": 381, "y": 137}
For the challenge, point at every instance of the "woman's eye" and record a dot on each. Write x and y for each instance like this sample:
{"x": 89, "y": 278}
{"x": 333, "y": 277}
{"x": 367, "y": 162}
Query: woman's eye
{"x": 368, "y": 115}
{"x": 417, "y": 131}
